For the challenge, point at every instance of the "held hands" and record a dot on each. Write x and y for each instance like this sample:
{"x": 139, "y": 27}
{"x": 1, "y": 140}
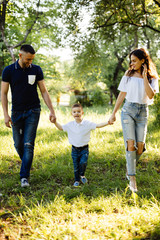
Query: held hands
{"x": 52, "y": 117}
{"x": 112, "y": 119}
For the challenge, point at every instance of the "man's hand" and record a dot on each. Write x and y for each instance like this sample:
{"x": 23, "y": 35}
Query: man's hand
{"x": 52, "y": 117}
{"x": 8, "y": 121}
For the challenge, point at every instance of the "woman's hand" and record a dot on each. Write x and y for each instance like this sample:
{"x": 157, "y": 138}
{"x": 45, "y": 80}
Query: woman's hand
{"x": 144, "y": 73}
{"x": 112, "y": 119}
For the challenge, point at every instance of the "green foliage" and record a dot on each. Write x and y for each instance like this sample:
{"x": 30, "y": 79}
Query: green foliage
{"x": 33, "y": 22}
{"x": 156, "y": 107}
{"x": 114, "y": 29}
{"x": 98, "y": 97}
{"x": 53, "y": 77}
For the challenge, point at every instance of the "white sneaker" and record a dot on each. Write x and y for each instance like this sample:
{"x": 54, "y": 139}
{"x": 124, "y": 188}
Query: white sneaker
{"x": 24, "y": 182}
{"x": 1, "y": 195}
{"x": 133, "y": 188}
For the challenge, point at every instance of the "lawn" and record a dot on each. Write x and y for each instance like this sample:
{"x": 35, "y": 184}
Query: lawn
{"x": 51, "y": 208}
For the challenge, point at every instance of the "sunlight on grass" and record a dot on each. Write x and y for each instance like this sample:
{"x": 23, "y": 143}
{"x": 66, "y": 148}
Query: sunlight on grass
{"x": 101, "y": 218}
{"x": 102, "y": 209}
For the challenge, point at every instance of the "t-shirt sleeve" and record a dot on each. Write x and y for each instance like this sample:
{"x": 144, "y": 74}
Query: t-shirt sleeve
{"x": 154, "y": 85}
{"x": 91, "y": 125}
{"x": 40, "y": 75}
{"x": 65, "y": 127}
{"x": 123, "y": 84}
{"x": 6, "y": 74}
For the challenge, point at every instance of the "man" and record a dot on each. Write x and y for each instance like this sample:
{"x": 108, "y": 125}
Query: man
{"x": 23, "y": 78}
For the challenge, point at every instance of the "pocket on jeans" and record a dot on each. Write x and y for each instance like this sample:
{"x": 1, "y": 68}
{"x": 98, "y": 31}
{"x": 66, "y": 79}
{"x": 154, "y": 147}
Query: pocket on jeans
{"x": 15, "y": 116}
{"x": 36, "y": 110}
{"x": 144, "y": 113}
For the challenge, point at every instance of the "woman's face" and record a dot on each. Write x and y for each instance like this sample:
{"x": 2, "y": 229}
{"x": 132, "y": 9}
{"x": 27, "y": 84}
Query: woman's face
{"x": 136, "y": 63}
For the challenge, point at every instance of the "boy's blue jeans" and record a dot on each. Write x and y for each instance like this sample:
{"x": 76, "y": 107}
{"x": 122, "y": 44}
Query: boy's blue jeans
{"x": 24, "y": 133}
{"x": 80, "y": 157}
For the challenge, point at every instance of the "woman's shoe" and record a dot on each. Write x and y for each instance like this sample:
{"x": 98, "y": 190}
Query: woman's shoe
{"x": 127, "y": 177}
{"x": 133, "y": 189}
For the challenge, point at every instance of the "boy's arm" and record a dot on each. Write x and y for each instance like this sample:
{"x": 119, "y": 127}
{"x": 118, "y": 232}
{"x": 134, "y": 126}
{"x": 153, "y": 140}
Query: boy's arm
{"x": 100, "y": 125}
{"x": 58, "y": 125}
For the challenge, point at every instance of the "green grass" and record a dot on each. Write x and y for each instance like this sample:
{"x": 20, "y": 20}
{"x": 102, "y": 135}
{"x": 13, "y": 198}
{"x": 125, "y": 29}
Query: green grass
{"x": 51, "y": 208}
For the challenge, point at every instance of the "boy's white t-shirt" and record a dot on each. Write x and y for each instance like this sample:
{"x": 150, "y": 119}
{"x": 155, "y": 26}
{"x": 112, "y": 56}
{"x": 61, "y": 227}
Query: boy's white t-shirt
{"x": 79, "y": 133}
{"x": 134, "y": 86}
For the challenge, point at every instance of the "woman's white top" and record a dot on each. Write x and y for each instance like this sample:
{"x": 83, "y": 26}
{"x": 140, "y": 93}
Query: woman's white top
{"x": 134, "y": 87}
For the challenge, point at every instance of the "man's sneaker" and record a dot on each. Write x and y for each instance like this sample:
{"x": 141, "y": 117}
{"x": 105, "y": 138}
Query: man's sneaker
{"x": 24, "y": 182}
{"x": 76, "y": 184}
{"x": 83, "y": 179}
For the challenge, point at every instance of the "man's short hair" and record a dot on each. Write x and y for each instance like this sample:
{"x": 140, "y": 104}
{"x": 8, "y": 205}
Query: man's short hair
{"x": 27, "y": 48}
{"x": 77, "y": 105}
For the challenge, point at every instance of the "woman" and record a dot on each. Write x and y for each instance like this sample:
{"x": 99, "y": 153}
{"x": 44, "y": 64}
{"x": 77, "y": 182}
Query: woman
{"x": 138, "y": 86}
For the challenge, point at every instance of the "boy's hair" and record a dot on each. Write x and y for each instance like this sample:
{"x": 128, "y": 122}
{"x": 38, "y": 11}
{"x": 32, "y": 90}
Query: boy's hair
{"x": 77, "y": 105}
{"x": 27, "y": 48}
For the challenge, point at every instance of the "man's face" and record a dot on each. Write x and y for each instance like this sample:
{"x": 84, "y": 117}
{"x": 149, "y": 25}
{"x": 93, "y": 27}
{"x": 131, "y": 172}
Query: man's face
{"x": 25, "y": 59}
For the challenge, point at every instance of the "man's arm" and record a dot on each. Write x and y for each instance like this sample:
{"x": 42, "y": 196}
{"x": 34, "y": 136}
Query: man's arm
{"x": 4, "y": 99}
{"x": 47, "y": 100}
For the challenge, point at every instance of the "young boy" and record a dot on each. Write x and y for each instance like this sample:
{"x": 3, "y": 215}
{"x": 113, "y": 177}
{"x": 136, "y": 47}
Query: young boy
{"x": 79, "y": 136}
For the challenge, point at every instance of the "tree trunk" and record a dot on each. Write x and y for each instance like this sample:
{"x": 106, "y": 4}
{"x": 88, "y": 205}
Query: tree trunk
{"x": 119, "y": 67}
{"x": 135, "y": 38}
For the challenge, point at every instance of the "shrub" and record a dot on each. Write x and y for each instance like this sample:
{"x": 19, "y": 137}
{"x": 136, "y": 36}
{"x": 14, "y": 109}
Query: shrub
{"x": 156, "y": 107}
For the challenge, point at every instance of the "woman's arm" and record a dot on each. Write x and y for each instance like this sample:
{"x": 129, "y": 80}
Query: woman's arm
{"x": 119, "y": 102}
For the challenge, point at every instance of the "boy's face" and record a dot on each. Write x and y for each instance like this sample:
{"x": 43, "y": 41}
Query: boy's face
{"x": 77, "y": 113}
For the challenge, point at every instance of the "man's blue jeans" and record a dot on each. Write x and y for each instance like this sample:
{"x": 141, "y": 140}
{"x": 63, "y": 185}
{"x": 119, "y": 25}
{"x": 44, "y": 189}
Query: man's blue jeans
{"x": 80, "y": 157}
{"x": 24, "y": 129}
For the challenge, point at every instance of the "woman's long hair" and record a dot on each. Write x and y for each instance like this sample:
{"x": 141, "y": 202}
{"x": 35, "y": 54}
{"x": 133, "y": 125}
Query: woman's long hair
{"x": 141, "y": 53}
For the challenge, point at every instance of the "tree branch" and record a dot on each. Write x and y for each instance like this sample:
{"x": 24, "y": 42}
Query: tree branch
{"x": 30, "y": 29}
{"x": 129, "y": 23}
{"x": 156, "y": 2}
{"x": 10, "y": 49}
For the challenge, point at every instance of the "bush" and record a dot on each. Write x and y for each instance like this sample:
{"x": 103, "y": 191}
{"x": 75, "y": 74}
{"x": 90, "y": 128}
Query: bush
{"x": 94, "y": 97}
{"x": 98, "y": 97}
{"x": 156, "y": 107}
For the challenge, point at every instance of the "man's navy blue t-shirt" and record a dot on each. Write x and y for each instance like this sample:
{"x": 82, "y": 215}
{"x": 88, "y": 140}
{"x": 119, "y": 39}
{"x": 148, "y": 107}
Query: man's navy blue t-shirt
{"x": 23, "y": 83}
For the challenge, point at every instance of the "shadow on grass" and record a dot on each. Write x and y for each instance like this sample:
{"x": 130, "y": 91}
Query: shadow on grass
{"x": 49, "y": 177}
{"x": 49, "y": 135}
{"x": 52, "y": 177}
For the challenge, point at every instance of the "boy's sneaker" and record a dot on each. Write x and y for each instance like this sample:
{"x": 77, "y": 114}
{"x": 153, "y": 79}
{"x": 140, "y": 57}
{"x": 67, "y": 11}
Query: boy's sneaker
{"x": 76, "y": 184}
{"x": 83, "y": 179}
{"x": 1, "y": 195}
{"x": 24, "y": 182}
